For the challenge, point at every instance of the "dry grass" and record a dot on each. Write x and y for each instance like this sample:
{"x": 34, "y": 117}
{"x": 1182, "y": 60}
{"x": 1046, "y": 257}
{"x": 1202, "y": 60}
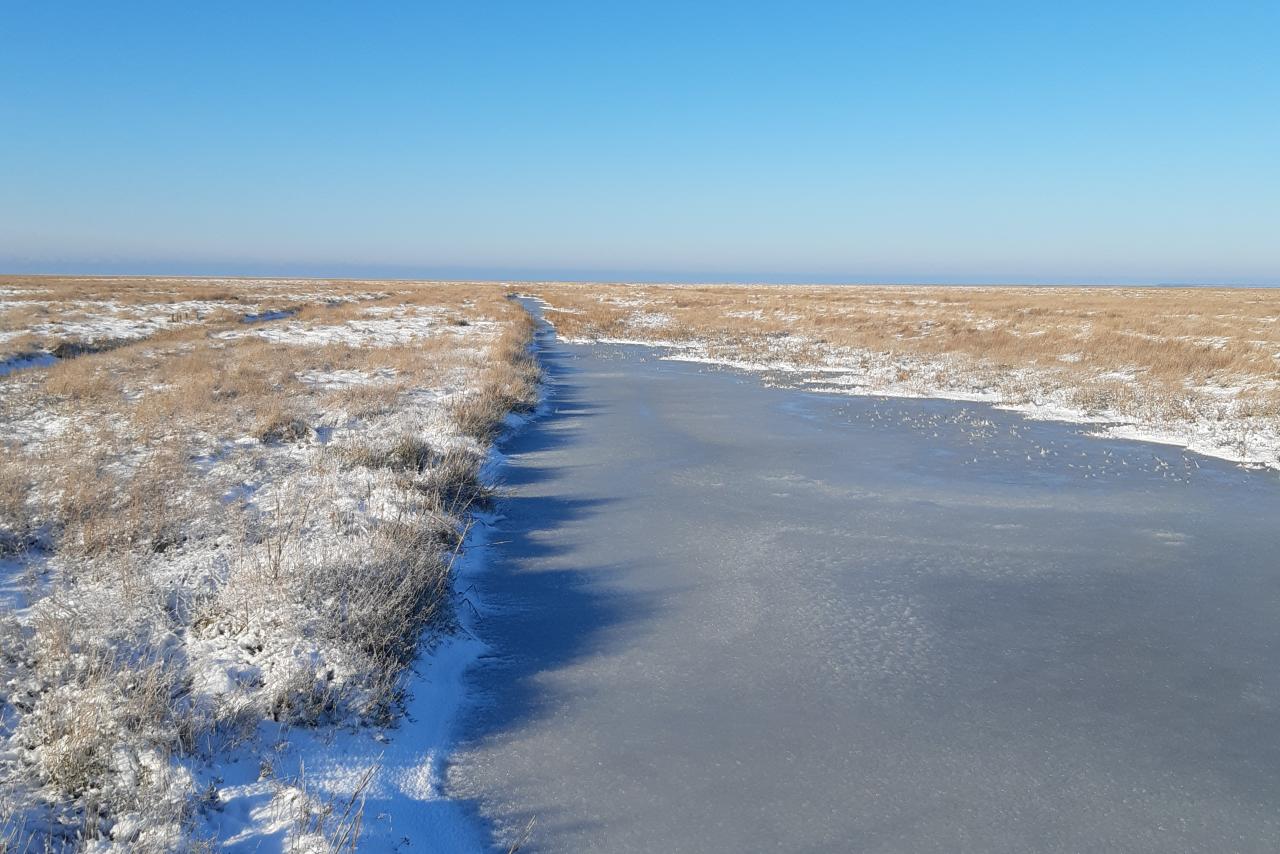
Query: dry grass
{"x": 508, "y": 384}
{"x": 15, "y": 488}
{"x": 63, "y": 315}
{"x": 279, "y": 423}
{"x": 83, "y": 380}
{"x": 1181, "y": 333}
{"x": 366, "y": 401}
{"x": 104, "y": 508}
{"x": 139, "y": 459}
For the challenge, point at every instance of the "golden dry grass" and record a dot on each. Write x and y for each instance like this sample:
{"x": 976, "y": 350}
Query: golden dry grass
{"x": 112, "y": 456}
{"x": 1172, "y": 332}
{"x": 42, "y": 313}
{"x": 15, "y": 487}
{"x": 137, "y": 412}
{"x": 1115, "y": 346}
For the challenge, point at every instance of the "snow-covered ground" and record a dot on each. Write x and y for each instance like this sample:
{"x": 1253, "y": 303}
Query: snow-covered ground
{"x": 390, "y": 778}
{"x": 48, "y": 316}
{"x": 228, "y": 608}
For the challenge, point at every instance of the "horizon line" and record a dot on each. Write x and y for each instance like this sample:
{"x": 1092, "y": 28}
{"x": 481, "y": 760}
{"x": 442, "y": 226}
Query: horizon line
{"x": 647, "y": 281}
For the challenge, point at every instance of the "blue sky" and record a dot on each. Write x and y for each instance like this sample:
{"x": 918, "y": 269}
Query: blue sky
{"x": 947, "y": 142}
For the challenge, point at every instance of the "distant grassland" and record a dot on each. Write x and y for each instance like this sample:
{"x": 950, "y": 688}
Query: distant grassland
{"x": 1200, "y": 364}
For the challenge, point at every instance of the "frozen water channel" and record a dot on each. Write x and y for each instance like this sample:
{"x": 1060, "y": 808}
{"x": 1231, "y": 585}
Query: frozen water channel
{"x": 727, "y": 617}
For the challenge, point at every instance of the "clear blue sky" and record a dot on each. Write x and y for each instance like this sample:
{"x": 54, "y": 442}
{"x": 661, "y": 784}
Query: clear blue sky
{"x": 950, "y": 142}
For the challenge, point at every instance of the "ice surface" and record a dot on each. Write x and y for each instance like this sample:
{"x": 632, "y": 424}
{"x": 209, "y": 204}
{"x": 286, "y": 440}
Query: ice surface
{"x": 26, "y": 360}
{"x": 726, "y": 617}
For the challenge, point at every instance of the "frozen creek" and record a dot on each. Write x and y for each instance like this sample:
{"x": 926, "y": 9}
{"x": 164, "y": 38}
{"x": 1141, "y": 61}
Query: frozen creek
{"x": 726, "y": 617}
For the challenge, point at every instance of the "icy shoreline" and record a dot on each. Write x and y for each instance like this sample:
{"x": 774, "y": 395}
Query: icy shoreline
{"x": 395, "y": 773}
{"x": 1221, "y": 440}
